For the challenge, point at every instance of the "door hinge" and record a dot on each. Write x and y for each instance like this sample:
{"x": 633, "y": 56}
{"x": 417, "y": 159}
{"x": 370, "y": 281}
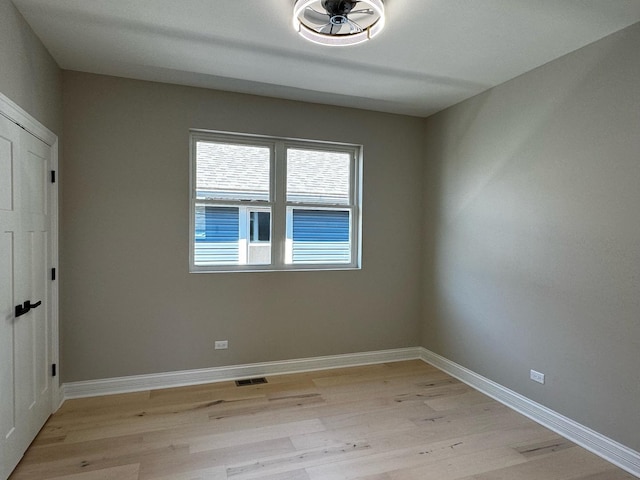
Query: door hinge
{"x": 53, "y": 176}
{"x": 53, "y": 370}
{"x": 53, "y": 274}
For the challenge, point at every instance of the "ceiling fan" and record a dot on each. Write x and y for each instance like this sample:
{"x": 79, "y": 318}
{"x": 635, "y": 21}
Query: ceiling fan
{"x": 338, "y": 22}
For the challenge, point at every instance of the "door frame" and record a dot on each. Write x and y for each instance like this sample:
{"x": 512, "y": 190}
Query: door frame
{"x": 18, "y": 115}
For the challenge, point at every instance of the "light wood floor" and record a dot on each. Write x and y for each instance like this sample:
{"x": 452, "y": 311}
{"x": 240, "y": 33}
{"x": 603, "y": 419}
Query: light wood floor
{"x": 404, "y": 420}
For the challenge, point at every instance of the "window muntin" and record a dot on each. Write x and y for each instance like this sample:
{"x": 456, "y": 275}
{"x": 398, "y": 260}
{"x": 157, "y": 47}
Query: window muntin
{"x": 298, "y": 209}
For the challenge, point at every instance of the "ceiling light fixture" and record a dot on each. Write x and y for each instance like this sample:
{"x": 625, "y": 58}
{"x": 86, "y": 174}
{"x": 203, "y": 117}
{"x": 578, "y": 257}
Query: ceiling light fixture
{"x": 338, "y": 22}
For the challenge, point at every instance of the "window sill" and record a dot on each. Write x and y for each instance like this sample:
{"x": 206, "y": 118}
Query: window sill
{"x": 270, "y": 268}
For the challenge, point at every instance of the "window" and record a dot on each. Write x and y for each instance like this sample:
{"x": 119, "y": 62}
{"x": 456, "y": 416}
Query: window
{"x": 262, "y": 203}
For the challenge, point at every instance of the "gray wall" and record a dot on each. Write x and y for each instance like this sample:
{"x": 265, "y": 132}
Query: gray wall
{"x": 28, "y": 74}
{"x": 130, "y": 305}
{"x": 533, "y": 189}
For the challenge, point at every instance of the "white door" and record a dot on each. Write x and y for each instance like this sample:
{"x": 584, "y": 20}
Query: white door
{"x": 25, "y": 291}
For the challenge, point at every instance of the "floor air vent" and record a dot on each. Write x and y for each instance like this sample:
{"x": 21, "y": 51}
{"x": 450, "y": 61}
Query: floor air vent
{"x": 251, "y": 381}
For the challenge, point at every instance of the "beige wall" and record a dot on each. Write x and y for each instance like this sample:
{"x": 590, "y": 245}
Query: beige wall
{"x": 130, "y": 305}
{"x": 533, "y": 189}
{"x": 28, "y": 74}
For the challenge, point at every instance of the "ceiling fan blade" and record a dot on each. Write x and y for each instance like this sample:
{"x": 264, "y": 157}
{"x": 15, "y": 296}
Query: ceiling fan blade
{"x": 327, "y": 29}
{"x": 315, "y": 16}
{"x": 354, "y": 27}
{"x": 366, "y": 11}
{"x": 362, "y": 16}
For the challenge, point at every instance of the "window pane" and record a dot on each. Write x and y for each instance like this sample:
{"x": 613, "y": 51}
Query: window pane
{"x": 320, "y": 236}
{"x": 232, "y": 172}
{"x": 260, "y": 227}
{"x": 317, "y": 176}
{"x": 259, "y": 246}
{"x": 231, "y": 236}
{"x": 216, "y": 236}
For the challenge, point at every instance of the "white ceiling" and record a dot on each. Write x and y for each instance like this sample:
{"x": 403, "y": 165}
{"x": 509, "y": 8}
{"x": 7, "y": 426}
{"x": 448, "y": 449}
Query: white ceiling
{"x": 431, "y": 54}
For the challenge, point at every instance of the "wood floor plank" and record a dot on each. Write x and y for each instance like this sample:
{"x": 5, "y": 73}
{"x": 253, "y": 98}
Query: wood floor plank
{"x": 292, "y": 475}
{"x": 283, "y": 464}
{"x": 123, "y": 472}
{"x": 214, "y": 473}
{"x": 612, "y": 473}
{"x": 94, "y": 461}
{"x": 543, "y": 448}
{"x": 394, "y": 421}
{"x": 250, "y": 435}
{"x": 216, "y": 460}
{"x": 461, "y": 465}
{"x": 411, "y": 451}
{"x": 573, "y": 463}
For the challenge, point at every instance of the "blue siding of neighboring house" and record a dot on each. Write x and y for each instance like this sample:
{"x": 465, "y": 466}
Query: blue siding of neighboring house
{"x": 217, "y": 242}
{"x": 321, "y": 236}
{"x": 221, "y": 224}
{"x": 320, "y": 226}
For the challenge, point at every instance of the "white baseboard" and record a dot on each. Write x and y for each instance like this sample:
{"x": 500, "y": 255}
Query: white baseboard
{"x": 154, "y": 381}
{"x": 595, "y": 442}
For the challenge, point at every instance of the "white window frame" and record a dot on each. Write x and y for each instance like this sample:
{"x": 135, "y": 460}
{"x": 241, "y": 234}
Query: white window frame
{"x": 278, "y": 202}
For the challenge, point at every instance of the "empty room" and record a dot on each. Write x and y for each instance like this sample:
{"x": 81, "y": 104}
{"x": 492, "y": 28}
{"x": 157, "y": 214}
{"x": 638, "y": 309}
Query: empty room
{"x": 320, "y": 240}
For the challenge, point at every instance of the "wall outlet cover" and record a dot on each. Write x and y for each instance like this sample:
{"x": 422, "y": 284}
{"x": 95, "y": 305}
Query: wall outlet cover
{"x": 537, "y": 376}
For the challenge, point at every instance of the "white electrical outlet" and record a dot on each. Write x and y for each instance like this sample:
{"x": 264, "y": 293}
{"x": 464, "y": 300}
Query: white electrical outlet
{"x": 537, "y": 376}
{"x": 221, "y": 344}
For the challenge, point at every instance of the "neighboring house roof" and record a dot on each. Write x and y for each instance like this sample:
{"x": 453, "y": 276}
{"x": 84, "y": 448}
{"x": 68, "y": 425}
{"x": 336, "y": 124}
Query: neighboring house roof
{"x": 232, "y": 169}
{"x": 242, "y": 172}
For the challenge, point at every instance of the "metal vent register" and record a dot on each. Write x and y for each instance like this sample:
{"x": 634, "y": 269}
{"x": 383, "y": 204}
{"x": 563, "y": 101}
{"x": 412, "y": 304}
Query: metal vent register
{"x": 251, "y": 381}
